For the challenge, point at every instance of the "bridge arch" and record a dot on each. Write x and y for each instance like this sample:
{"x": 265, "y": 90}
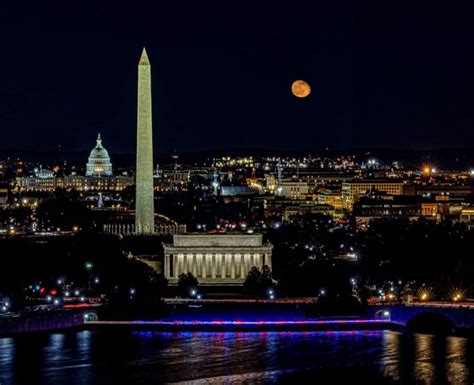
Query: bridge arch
{"x": 431, "y": 322}
{"x": 90, "y": 316}
{"x": 382, "y": 314}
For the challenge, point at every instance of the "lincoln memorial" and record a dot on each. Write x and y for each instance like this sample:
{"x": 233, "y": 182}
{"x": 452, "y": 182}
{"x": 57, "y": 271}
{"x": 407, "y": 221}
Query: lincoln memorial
{"x": 215, "y": 259}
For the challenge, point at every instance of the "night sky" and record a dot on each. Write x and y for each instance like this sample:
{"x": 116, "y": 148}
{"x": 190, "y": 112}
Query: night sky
{"x": 387, "y": 73}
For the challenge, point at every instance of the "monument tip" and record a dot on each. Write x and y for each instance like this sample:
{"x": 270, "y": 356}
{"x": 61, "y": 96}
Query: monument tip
{"x": 144, "y": 58}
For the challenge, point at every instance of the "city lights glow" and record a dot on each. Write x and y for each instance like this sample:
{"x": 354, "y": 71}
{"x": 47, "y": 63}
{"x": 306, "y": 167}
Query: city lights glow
{"x": 181, "y": 323}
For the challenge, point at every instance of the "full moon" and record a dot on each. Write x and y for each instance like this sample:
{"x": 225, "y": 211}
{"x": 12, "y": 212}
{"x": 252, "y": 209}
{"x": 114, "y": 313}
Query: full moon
{"x": 300, "y": 88}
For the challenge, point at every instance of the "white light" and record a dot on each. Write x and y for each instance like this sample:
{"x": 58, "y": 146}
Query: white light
{"x": 82, "y": 299}
{"x": 76, "y": 292}
{"x": 66, "y": 294}
{"x": 272, "y": 296}
{"x": 386, "y": 313}
{"x": 59, "y": 282}
{"x": 132, "y": 291}
{"x": 193, "y": 292}
{"x": 322, "y": 292}
{"x": 199, "y": 296}
{"x": 56, "y": 302}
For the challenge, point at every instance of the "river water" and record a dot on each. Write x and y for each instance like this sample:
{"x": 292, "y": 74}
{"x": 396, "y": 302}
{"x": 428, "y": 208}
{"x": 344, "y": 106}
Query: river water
{"x": 358, "y": 357}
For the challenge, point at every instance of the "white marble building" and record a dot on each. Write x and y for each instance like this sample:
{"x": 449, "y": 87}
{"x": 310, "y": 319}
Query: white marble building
{"x": 99, "y": 161}
{"x": 215, "y": 259}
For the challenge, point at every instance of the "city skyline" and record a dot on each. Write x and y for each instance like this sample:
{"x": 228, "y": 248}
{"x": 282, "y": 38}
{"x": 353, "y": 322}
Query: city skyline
{"x": 236, "y": 192}
{"x": 402, "y": 87}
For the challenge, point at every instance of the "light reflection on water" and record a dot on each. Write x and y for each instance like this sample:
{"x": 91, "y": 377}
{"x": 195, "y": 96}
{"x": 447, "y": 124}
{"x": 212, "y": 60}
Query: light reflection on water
{"x": 424, "y": 357}
{"x": 379, "y": 357}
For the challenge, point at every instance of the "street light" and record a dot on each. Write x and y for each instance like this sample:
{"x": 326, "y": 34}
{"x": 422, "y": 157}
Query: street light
{"x": 89, "y": 268}
{"x": 271, "y": 294}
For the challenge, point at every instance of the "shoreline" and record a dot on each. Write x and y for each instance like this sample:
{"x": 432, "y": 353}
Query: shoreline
{"x": 242, "y": 326}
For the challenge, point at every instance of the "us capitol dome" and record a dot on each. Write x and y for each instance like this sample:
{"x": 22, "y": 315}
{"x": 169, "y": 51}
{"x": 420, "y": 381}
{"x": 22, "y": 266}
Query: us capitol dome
{"x": 99, "y": 161}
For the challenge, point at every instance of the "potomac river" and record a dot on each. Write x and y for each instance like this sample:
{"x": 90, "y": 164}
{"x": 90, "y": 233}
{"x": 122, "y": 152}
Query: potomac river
{"x": 103, "y": 357}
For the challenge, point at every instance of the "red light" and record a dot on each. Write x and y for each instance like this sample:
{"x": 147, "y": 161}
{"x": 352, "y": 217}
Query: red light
{"x": 53, "y": 292}
{"x": 42, "y": 290}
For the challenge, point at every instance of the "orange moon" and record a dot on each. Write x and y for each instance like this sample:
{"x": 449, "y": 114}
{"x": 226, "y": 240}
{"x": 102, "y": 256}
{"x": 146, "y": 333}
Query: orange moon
{"x": 300, "y": 89}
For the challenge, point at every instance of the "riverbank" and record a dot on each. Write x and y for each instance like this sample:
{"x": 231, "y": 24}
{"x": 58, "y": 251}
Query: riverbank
{"x": 336, "y": 324}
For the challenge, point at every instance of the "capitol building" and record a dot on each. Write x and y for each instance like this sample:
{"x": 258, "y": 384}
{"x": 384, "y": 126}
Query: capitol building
{"x": 99, "y": 161}
{"x": 98, "y": 176}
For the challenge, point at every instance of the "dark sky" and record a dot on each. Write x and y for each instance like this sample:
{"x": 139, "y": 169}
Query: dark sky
{"x": 383, "y": 73}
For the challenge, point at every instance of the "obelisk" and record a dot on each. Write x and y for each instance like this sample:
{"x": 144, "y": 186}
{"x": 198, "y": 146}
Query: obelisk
{"x": 144, "y": 206}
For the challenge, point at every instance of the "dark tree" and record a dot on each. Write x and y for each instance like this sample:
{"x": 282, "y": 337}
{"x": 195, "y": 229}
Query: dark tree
{"x": 186, "y": 283}
{"x": 258, "y": 281}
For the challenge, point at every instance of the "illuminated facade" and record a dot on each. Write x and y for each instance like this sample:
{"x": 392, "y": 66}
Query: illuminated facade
{"x": 353, "y": 190}
{"x": 332, "y": 198}
{"x": 215, "y": 259}
{"x": 293, "y": 189}
{"x": 99, "y": 161}
{"x": 467, "y": 216}
{"x": 73, "y": 181}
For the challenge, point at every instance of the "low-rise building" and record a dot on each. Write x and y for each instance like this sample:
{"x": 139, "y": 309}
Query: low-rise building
{"x": 293, "y": 189}
{"x": 355, "y": 189}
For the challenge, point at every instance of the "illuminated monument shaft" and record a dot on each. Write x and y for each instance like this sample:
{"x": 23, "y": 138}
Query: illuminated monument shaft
{"x": 144, "y": 206}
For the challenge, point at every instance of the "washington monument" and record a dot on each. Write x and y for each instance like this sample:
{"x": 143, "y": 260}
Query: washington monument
{"x": 144, "y": 205}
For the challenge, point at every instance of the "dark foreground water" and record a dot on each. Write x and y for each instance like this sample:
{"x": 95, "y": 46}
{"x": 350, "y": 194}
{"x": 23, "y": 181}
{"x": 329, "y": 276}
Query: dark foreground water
{"x": 360, "y": 357}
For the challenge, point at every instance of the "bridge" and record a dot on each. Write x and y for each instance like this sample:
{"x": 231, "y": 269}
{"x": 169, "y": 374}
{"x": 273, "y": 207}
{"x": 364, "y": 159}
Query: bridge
{"x": 46, "y": 320}
{"x": 426, "y": 315}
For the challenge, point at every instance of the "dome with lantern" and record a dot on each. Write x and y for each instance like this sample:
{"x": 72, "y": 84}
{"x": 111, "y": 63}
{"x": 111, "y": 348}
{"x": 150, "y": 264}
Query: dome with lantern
{"x": 99, "y": 161}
